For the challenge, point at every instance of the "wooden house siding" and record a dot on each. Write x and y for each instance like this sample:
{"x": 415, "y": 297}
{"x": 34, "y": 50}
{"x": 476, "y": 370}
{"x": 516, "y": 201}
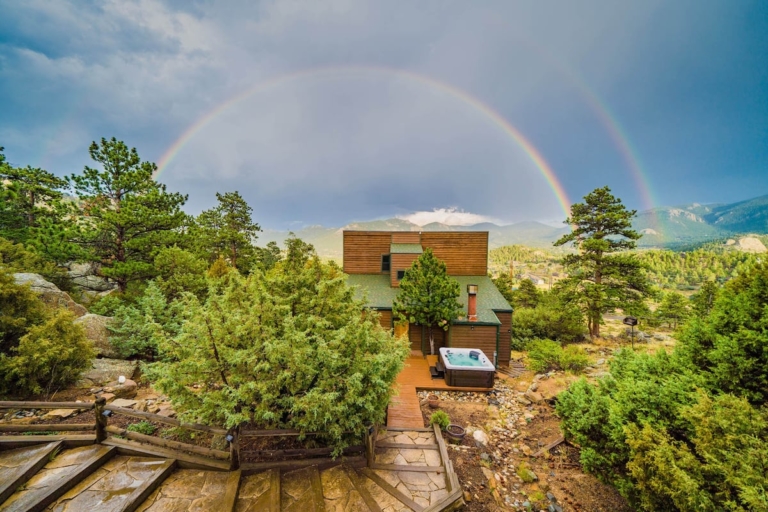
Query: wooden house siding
{"x": 385, "y": 319}
{"x": 414, "y": 334}
{"x": 400, "y": 262}
{"x": 482, "y": 337}
{"x": 465, "y": 253}
{"x": 505, "y": 336}
{"x": 363, "y": 250}
{"x": 406, "y": 237}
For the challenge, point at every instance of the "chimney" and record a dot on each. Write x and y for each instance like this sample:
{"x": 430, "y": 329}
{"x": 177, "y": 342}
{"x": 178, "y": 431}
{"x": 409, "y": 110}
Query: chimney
{"x": 472, "y": 302}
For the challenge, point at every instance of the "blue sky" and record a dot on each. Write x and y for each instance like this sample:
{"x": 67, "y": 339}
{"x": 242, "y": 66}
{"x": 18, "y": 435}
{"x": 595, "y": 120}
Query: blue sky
{"x": 686, "y": 82}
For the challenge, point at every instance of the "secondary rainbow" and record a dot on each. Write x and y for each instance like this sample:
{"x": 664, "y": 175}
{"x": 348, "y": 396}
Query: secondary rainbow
{"x": 334, "y": 72}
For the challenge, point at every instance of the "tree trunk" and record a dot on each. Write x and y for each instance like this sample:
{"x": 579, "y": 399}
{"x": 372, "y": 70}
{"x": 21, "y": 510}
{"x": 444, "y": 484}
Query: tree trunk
{"x": 431, "y": 342}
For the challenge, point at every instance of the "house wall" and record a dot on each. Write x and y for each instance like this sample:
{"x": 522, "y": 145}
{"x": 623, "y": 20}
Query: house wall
{"x": 400, "y": 262}
{"x": 414, "y": 334}
{"x": 406, "y": 237}
{"x": 385, "y": 318}
{"x": 505, "y": 336}
{"x": 363, "y": 250}
{"x": 465, "y": 253}
{"x": 482, "y": 337}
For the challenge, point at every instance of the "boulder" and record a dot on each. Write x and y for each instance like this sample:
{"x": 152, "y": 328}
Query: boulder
{"x": 96, "y": 331}
{"x": 49, "y": 293}
{"x": 127, "y": 389}
{"x": 481, "y": 438}
{"x": 534, "y": 396}
{"x": 106, "y": 370}
{"x": 86, "y": 276}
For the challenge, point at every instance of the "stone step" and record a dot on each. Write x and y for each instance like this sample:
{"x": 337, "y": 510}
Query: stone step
{"x": 194, "y": 489}
{"x": 341, "y": 491}
{"x": 417, "y": 489}
{"x": 58, "y": 476}
{"x": 260, "y": 492}
{"x": 120, "y": 485}
{"x": 301, "y": 490}
{"x": 387, "y": 499}
{"x": 19, "y": 465}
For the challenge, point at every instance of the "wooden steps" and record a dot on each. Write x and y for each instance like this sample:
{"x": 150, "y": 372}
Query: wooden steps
{"x": 301, "y": 490}
{"x": 19, "y": 465}
{"x": 120, "y": 485}
{"x": 195, "y": 489}
{"x": 57, "y": 477}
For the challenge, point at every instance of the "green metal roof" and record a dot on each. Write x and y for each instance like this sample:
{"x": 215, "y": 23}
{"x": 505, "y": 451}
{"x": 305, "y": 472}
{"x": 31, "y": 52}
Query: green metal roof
{"x": 405, "y": 249}
{"x": 380, "y": 294}
{"x": 375, "y": 287}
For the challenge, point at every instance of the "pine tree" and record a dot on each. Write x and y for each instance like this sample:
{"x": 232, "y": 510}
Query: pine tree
{"x": 602, "y": 277}
{"x": 229, "y": 231}
{"x": 526, "y": 295}
{"x": 129, "y": 216}
{"x": 28, "y": 196}
{"x": 428, "y": 296}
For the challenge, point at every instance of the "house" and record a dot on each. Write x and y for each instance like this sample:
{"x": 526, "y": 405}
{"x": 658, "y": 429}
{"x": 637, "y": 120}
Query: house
{"x": 376, "y": 261}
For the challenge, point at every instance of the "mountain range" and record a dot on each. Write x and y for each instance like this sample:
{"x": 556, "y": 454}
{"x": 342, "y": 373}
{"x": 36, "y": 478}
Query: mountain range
{"x": 666, "y": 227}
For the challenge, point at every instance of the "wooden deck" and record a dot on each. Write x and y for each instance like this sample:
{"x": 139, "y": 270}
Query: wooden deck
{"x": 404, "y": 409}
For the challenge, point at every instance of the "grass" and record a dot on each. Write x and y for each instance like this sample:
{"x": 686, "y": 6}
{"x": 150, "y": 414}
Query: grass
{"x": 525, "y": 473}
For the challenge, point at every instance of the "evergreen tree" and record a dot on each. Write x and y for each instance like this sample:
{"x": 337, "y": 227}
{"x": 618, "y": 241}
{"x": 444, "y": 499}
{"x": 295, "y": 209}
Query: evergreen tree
{"x": 428, "y": 296}
{"x": 229, "y": 231}
{"x": 180, "y": 271}
{"x": 526, "y": 295}
{"x": 128, "y": 215}
{"x": 602, "y": 277}
{"x": 674, "y": 309}
{"x": 703, "y": 301}
{"x": 288, "y": 348}
{"x": 504, "y": 284}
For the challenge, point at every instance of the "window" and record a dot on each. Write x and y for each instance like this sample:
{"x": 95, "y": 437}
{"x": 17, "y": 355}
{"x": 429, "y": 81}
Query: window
{"x": 400, "y": 274}
{"x": 385, "y": 262}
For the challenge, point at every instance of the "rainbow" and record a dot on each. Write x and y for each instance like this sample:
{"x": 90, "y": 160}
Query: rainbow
{"x": 491, "y": 115}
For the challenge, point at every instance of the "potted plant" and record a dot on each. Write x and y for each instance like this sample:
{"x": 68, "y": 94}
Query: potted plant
{"x": 455, "y": 433}
{"x": 433, "y": 401}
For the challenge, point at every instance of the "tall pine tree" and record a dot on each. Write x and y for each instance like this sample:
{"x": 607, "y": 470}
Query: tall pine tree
{"x": 602, "y": 277}
{"x": 129, "y": 216}
{"x": 228, "y": 230}
{"x": 428, "y": 296}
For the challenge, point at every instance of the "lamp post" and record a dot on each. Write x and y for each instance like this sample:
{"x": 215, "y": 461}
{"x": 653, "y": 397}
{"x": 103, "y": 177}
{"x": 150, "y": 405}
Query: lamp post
{"x": 631, "y": 322}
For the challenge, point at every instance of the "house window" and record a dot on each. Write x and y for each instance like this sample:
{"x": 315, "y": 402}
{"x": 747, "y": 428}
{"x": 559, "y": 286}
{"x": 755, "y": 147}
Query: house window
{"x": 385, "y": 262}
{"x": 400, "y": 274}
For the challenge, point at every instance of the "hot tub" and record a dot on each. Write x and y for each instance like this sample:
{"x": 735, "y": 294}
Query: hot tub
{"x": 467, "y": 367}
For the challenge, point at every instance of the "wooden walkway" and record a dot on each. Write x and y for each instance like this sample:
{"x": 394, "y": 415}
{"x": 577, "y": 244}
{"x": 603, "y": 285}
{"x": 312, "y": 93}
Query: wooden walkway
{"x": 404, "y": 410}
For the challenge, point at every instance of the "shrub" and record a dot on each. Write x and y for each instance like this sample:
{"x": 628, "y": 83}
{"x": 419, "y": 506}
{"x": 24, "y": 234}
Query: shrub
{"x": 49, "y": 357}
{"x": 441, "y": 419}
{"x": 525, "y": 473}
{"x": 286, "y": 348}
{"x": 142, "y": 427}
{"x": 20, "y": 309}
{"x": 180, "y": 271}
{"x": 573, "y": 358}
{"x": 544, "y": 355}
{"x": 548, "y": 320}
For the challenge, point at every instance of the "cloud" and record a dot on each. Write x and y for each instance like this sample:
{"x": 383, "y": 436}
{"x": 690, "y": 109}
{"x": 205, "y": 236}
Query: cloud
{"x": 448, "y": 216}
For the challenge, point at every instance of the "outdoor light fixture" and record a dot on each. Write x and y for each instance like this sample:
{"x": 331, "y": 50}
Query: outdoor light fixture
{"x": 230, "y": 438}
{"x": 106, "y": 414}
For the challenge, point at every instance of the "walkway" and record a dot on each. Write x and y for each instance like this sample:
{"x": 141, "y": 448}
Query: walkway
{"x": 404, "y": 410}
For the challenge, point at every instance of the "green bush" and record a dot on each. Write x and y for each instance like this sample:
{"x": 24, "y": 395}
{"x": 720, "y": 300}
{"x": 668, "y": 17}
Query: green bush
{"x": 544, "y": 355}
{"x": 688, "y": 430}
{"x": 573, "y": 359}
{"x": 49, "y": 357}
{"x": 142, "y": 427}
{"x": 441, "y": 419}
{"x": 548, "y": 320}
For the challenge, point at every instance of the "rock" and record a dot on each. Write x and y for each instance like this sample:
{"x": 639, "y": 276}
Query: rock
{"x": 166, "y": 410}
{"x": 600, "y": 362}
{"x": 524, "y": 401}
{"x": 467, "y": 496}
{"x": 127, "y": 389}
{"x": 59, "y": 414}
{"x": 96, "y": 331}
{"x": 481, "y": 438}
{"x": 122, "y": 402}
{"x": 106, "y": 370}
{"x": 750, "y": 244}
{"x": 85, "y": 275}
{"x": 49, "y": 293}
{"x": 526, "y": 449}
{"x": 533, "y": 396}
{"x": 534, "y": 386}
